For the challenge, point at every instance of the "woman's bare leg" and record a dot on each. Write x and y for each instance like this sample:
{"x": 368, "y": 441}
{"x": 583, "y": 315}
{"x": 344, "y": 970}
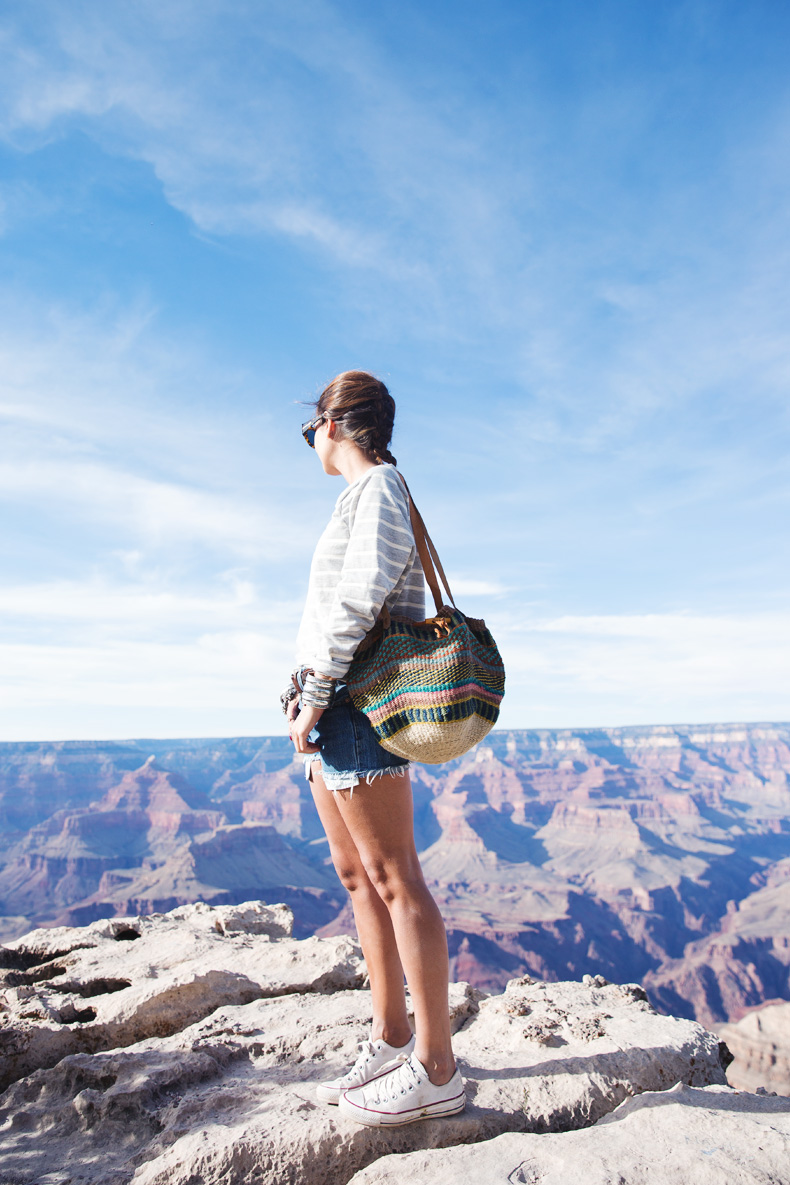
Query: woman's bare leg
{"x": 379, "y": 821}
{"x": 376, "y": 936}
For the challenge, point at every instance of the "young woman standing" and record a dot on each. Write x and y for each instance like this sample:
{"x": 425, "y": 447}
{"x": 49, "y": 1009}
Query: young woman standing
{"x": 366, "y": 559}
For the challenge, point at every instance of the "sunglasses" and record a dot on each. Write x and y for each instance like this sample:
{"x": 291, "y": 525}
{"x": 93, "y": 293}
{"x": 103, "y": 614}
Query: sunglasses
{"x": 310, "y": 427}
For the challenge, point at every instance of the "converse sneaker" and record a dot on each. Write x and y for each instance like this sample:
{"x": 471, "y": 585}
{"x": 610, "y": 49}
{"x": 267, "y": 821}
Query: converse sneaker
{"x": 373, "y": 1057}
{"x": 403, "y": 1095}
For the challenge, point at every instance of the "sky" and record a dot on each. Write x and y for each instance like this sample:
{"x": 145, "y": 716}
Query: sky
{"x": 559, "y": 230}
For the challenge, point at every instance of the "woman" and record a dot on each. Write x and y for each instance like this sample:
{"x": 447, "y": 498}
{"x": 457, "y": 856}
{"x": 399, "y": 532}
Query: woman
{"x": 366, "y": 558}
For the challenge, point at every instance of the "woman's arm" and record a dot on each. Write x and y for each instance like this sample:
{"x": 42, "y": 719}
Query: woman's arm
{"x": 380, "y": 547}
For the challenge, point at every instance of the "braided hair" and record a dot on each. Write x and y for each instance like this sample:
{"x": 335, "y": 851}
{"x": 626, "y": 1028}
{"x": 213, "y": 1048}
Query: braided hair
{"x": 364, "y": 411}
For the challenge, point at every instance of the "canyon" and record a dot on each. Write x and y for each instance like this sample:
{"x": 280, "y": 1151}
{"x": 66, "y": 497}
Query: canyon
{"x": 170, "y": 1048}
{"x": 657, "y": 855}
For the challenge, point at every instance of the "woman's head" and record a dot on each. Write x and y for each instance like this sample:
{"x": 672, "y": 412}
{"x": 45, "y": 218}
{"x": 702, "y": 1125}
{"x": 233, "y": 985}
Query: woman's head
{"x": 364, "y": 412}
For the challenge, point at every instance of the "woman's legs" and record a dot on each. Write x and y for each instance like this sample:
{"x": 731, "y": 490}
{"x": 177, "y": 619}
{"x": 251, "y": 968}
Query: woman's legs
{"x": 376, "y": 936}
{"x": 379, "y": 822}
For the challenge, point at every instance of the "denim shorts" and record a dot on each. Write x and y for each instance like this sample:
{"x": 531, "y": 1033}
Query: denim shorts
{"x": 350, "y": 751}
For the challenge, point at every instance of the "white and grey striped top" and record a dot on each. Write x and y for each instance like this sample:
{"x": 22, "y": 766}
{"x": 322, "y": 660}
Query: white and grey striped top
{"x": 366, "y": 556}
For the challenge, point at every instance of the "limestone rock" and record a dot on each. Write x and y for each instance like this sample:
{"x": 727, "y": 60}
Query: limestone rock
{"x": 112, "y": 983}
{"x": 711, "y": 1136}
{"x": 554, "y": 1056}
{"x": 760, "y": 1045}
{"x": 230, "y": 1098}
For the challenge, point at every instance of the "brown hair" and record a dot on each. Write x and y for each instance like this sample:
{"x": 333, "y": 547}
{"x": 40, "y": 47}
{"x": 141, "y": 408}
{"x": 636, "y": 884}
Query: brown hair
{"x": 365, "y": 411}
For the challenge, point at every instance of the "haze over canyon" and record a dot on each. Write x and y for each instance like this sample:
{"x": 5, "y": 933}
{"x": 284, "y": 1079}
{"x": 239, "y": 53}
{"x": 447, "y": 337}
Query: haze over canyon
{"x": 659, "y": 855}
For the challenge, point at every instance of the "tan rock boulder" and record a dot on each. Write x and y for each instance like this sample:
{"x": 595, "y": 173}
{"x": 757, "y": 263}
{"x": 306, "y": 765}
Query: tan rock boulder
{"x": 112, "y": 983}
{"x": 708, "y": 1136}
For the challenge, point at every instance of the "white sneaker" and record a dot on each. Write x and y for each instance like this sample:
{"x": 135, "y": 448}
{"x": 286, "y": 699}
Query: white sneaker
{"x": 372, "y": 1059}
{"x": 403, "y": 1095}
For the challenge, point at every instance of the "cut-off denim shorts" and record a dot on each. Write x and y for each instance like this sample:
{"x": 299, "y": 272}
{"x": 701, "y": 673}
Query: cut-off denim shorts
{"x": 350, "y": 751}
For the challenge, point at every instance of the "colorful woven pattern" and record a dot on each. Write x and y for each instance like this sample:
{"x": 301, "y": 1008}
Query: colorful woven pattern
{"x": 430, "y": 689}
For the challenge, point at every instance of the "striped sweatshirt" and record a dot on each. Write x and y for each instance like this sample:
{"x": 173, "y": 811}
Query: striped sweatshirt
{"x": 365, "y": 557}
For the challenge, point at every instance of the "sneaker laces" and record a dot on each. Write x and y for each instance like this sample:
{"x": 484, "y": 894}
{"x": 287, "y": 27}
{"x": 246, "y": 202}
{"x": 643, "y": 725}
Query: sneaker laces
{"x": 367, "y": 1052}
{"x": 398, "y": 1082}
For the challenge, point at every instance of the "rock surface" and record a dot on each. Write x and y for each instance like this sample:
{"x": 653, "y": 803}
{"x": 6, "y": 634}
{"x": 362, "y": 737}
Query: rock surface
{"x": 223, "y": 1092}
{"x": 112, "y": 983}
{"x": 760, "y": 1046}
{"x": 708, "y": 1136}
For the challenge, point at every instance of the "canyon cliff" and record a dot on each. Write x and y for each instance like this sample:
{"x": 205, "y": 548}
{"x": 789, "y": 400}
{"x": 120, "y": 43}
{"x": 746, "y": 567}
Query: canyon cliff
{"x": 659, "y": 855}
{"x": 171, "y": 1048}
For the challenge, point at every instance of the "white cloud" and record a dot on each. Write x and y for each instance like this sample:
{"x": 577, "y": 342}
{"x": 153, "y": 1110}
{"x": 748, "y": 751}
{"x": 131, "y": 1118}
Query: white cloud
{"x": 123, "y": 651}
{"x": 107, "y": 422}
{"x": 93, "y": 658}
{"x": 604, "y": 322}
{"x": 651, "y": 668}
{"x": 469, "y": 587}
{"x": 156, "y": 512}
{"x": 191, "y": 685}
{"x": 147, "y": 606}
{"x": 357, "y": 161}
{"x": 606, "y": 364}
{"x": 676, "y": 628}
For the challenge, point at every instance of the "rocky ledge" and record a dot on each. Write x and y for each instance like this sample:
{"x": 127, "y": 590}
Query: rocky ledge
{"x": 683, "y": 1136}
{"x": 184, "y": 1047}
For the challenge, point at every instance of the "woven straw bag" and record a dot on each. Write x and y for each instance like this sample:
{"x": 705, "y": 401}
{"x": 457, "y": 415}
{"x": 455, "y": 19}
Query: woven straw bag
{"x": 431, "y": 689}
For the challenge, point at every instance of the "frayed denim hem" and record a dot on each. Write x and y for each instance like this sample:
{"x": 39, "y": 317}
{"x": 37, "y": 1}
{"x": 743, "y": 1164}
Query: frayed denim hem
{"x": 347, "y": 781}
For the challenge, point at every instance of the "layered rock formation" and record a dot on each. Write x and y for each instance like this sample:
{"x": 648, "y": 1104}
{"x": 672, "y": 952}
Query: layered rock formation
{"x": 660, "y": 855}
{"x": 151, "y": 842}
{"x": 745, "y": 961}
{"x": 192, "y": 1041}
{"x": 760, "y": 1046}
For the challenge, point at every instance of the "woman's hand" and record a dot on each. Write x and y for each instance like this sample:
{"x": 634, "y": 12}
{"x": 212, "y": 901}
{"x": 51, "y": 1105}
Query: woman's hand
{"x": 302, "y": 724}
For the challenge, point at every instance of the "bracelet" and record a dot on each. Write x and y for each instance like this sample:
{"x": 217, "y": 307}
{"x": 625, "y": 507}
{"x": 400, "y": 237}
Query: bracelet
{"x": 318, "y": 692}
{"x": 287, "y": 696}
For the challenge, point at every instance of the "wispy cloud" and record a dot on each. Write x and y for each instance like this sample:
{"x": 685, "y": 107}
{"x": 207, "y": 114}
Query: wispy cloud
{"x": 237, "y": 156}
{"x": 213, "y": 660}
{"x": 641, "y": 669}
{"x": 106, "y": 420}
{"x": 464, "y": 586}
{"x": 580, "y": 294}
{"x": 234, "y": 602}
{"x": 156, "y": 512}
{"x": 605, "y": 312}
{"x": 97, "y": 657}
{"x": 223, "y": 678}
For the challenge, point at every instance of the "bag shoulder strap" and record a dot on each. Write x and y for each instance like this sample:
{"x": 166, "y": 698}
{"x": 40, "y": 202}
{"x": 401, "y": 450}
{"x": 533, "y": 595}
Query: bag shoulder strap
{"x": 427, "y": 553}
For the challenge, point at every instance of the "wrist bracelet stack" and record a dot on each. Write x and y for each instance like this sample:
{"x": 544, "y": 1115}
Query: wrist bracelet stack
{"x": 286, "y": 696}
{"x": 318, "y": 692}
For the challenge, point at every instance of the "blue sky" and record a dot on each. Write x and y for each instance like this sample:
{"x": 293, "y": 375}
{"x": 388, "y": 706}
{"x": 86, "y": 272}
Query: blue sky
{"x": 559, "y": 231}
